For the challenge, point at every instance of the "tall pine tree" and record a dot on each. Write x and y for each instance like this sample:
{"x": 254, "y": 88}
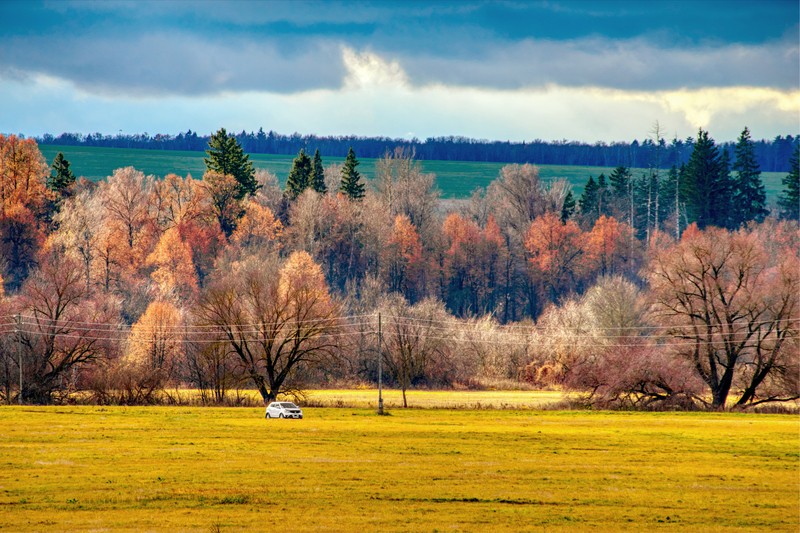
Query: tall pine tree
{"x": 225, "y": 155}
{"x": 789, "y": 200}
{"x": 588, "y": 201}
{"x": 318, "y": 174}
{"x": 61, "y": 177}
{"x": 749, "y": 195}
{"x": 299, "y": 176}
{"x": 351, "y": 184}
{"x": 705, "y": 187}
{"x": 620, "y": 179}
{"x": 568, "y": 207}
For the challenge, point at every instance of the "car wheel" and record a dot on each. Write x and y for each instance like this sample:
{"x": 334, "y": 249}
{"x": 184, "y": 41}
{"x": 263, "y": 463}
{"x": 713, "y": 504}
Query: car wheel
{"x": 280, "y": 415}
{"x": 268, "y": 416}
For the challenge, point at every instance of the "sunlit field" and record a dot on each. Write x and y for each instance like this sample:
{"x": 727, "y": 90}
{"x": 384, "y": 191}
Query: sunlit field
{"x": 229, "y": 469}
{"x": 456, "y": 179}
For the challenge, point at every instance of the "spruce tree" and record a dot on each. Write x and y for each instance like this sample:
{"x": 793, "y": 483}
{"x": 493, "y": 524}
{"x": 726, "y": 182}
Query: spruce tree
{"x": 225, "y": 155}
{"x": 749, "y": 195}
{"x": 299, "y": 176}
{"x": 588, "y": 201}
{"x": 568, "y": 207}
{"x": 351, "y": 184}
{"x": 705, "y": 187}
{"x": 61, "y": 177}
{"x": 789, "y": 200}
{"x": 620, "y": 179}
{"x": 318, "y": 174}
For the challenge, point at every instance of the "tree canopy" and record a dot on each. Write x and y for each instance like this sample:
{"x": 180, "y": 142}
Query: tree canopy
{"x": 226, "y": 156}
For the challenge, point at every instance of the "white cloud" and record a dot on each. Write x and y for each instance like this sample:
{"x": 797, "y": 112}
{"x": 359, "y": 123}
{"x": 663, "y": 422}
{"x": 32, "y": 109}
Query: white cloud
{"x": 369, "y": 70}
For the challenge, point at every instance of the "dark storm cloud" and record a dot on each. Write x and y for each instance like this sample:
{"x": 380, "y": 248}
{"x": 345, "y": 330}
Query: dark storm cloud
{"x": 195, "y": 48}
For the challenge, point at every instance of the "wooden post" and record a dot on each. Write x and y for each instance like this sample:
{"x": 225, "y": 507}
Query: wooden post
{"x": 17, "y": 320}
{"x": 380, "y": 367}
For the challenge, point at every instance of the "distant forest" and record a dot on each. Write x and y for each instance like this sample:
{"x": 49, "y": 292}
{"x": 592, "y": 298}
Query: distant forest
{"x": 771, "y": 155}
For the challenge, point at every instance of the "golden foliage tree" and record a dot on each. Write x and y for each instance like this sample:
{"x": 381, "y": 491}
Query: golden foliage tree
{"x": 174, "y": 272}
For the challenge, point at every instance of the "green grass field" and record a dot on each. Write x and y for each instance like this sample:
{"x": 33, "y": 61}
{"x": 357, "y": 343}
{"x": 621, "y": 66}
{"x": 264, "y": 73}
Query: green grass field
{"x": 456, "y": 179}
{"x": 347, "y": 469}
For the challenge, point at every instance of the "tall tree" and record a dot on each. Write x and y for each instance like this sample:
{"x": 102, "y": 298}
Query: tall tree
{"x": 749, "y": 196}
{"x": 568, "y": 207}
{"x": 61, "y": 178}
{"x": 789, "y": 201}
{"x": 620, "y": 179}
{"x": 274, "y": 319}
{"x": 300, "y": 175}
{"x": 705, "y": 185}
{"x": 731, "y": 304}
{"x": 225, "y": 156}
{"x": 64, "y": 327}
{"x": 588, "y": 200}
{"x": 318, "y": 174}
{"x": 351, "y": 184}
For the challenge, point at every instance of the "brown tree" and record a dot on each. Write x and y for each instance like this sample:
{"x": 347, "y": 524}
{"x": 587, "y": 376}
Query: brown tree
{"x": 416, "y": 347}
{"x": 156, "y": 347}
{"x": 275, "y": 319}
{"x": 733, "y": 308}
{"x": 63, "y": 327}
{"x": 403, "y": 258}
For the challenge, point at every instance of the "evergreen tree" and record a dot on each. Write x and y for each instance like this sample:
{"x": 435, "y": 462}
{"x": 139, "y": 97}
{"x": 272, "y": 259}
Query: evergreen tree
{"x": 351, "y": 184}
{"x": 299, "y": 176}
{"x": 620, "y": 179}
{"x": 568, "y": 208}
{"x": 789, "y": 201}
{"x": 61, "y": 177}
{"x": 225, "y": 155}
{"x": 749, "y": 196}
{"x": 723, "y": 205}
{"x": 603, "y": 196}
{"x": 318, "y": 174}
{"x": 705, "y": 187}
{"x": 588, "y": 201}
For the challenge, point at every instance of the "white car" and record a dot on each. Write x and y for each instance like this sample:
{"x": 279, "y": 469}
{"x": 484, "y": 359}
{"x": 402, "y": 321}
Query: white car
{"x": 283, "y": 410}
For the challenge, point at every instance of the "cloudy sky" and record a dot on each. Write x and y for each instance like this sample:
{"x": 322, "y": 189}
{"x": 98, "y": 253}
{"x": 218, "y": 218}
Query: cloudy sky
{"x": 576, "y": 70}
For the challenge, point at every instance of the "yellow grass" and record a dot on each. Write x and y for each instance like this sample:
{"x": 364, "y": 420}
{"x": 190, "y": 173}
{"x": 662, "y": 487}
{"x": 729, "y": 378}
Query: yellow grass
{"x": 209, "y": 469}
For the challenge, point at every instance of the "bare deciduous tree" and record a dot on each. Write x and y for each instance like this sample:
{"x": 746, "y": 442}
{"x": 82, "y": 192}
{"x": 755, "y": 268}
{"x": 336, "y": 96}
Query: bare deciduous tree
{"x": 275, "y": 318}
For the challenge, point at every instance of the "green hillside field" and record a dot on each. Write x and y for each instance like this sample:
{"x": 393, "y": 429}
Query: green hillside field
{"x": 455, "y": 179}
{"x": 82, "y": 468}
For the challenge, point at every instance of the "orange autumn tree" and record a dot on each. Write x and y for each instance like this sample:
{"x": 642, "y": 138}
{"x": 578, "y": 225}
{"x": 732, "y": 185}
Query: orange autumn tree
{"x": 156, "y": 343}
{"x": 402, "y": 258}
{"x": 174, "y": 275}
{"x": 258, "y": 228}
{"x": 23, "y": 175}
{"x": 276, "y": 319}
{"x": 611, "y": 247}
{"x": 23, "y": 202}
{"x": 473, "y": 265}
{"x": 556, "y": 251}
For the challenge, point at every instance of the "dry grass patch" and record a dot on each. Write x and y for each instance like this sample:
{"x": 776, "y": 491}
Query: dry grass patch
{"x": 176, "y": 468}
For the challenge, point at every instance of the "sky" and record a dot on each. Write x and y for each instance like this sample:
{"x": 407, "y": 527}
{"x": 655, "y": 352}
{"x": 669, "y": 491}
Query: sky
{"x": 551, "y": 70}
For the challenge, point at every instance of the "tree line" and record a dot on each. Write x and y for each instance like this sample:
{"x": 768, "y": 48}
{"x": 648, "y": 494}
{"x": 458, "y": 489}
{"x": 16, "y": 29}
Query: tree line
{"x": 772, "y": 155}
{"x": 127, "y": 287}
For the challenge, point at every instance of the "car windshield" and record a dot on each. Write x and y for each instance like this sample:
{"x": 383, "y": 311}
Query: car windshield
{"x": 288, "y": 405}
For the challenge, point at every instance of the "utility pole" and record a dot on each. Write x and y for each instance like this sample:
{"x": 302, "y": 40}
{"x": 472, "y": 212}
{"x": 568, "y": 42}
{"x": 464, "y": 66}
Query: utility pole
{"x": 380, "y": 367}
{"x": 17, "y": 320}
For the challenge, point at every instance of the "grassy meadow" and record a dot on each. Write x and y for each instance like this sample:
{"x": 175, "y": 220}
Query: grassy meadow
{"x": 79, "y": 468}
{"x": 456, "y": 179}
